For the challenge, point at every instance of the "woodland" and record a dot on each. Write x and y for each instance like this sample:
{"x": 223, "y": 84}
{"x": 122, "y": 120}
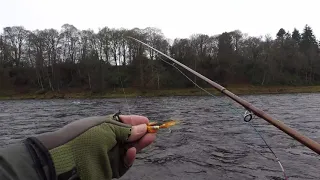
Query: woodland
{"x": 70, "y": 58}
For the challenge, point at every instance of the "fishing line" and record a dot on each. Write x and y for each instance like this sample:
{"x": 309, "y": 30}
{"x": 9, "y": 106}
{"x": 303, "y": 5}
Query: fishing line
{"x": 248, "y": 116}
{"x": 308, "y": 142}
{"x": 173, "y": 65}
{"x": 125, "y": 96}
{"x": 277, "y": 159}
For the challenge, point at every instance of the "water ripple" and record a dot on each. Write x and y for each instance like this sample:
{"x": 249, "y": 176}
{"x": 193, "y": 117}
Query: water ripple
{"x": 211, "y": 142}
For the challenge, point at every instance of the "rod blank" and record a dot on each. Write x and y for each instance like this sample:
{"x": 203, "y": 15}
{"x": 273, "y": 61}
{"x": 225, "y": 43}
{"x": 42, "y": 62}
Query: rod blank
{"x": 280, "y": 125}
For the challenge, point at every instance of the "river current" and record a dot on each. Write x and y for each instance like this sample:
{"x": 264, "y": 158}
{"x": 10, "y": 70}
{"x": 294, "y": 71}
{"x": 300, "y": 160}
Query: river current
{"x": 212, "y": 141}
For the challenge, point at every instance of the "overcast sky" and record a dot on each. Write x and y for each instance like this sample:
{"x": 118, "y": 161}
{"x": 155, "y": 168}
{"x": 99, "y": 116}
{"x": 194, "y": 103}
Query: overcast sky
{"x": 176, "y": 18}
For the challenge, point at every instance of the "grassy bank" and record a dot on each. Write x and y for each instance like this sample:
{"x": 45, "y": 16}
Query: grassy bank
{"x": 129, "y": 92}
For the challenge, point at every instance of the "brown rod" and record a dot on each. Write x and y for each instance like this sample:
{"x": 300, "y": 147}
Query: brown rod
{"x": 280, "y": 125}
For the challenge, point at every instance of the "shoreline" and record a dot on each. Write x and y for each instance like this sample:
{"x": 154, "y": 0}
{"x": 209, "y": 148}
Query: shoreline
{"x": 130, "y": 92}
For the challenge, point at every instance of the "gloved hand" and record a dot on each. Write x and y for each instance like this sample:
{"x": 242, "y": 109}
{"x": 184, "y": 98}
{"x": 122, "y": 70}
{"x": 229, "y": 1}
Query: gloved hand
{"x": 91, "y": 148}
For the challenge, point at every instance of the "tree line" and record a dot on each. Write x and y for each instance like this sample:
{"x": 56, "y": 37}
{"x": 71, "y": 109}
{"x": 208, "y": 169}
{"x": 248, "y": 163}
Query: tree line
{"x": 54, "y": 60}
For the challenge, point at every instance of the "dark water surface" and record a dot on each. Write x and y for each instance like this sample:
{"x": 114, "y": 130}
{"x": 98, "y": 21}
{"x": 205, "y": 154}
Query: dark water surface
{"x": 211, "y": 142}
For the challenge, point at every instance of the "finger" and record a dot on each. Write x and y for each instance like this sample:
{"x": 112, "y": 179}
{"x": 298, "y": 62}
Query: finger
{"x": 134, "y": 119}
{"x": 145, "y": 141}
{"x": 137, "y": 132}
{"x": 130, "y": 156}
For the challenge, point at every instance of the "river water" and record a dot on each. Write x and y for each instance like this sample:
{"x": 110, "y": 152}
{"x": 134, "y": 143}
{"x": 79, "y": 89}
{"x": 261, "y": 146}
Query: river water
{"x": 211, "y": 142}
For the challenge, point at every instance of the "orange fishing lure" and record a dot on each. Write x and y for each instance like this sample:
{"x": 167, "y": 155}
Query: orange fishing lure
{"x": 153, "y": 127}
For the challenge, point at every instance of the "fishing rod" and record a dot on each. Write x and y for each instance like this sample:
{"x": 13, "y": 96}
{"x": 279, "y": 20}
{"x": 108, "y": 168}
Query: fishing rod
{"x": 311, "y": 144}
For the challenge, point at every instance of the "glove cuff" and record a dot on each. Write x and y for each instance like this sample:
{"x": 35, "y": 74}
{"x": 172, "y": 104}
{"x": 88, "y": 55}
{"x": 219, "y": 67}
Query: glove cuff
{"x": 42, "y": 159}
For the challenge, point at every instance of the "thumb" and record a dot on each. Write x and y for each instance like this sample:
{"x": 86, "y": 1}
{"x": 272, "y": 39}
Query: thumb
{"x": 137, "y": 132}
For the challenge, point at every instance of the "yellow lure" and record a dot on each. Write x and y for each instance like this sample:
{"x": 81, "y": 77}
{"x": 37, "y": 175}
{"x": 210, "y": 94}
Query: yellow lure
{"x": 153, "y": 127}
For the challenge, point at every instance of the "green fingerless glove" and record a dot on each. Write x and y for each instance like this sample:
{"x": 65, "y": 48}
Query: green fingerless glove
{"x": 91, "y": 148}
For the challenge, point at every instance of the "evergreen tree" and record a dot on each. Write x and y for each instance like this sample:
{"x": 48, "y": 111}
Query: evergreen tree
{"x": 296, "y": 35}
{"x": 308, "y": 40}
{"x": 281, "y": 33}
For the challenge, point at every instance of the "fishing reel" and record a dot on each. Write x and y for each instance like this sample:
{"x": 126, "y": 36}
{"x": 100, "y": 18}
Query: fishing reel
{"x": 248, "y": 115}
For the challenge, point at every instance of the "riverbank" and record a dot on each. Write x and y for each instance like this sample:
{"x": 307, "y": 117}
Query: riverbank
{"x": 129, "y": 92}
